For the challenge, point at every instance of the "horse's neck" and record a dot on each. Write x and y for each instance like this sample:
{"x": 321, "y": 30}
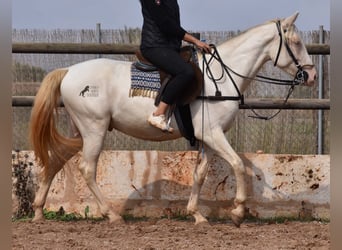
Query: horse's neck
{"x": 247, "y": 53}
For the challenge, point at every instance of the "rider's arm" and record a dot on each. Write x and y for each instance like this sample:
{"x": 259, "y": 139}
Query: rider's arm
{"x": 164, "y": 15}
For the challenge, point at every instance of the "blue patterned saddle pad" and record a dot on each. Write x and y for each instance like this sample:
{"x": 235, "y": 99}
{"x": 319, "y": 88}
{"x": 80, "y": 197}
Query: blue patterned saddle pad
{"x": 144, "y": 83}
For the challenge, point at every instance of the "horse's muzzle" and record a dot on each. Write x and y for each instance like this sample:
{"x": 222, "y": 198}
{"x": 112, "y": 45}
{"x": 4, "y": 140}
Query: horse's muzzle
{"x": 312, "y": 77}
{"x": 307, "y": 77}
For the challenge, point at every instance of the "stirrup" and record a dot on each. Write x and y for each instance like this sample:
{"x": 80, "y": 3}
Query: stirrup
{"x": 159, "y": 122}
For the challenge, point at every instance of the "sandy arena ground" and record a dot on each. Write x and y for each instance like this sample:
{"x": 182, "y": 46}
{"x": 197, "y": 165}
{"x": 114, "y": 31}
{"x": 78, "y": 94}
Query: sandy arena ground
{"x": 169, "y": 234}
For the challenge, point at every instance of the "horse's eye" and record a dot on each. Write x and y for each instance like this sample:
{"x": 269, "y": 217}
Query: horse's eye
{"x": 296, "y": 41}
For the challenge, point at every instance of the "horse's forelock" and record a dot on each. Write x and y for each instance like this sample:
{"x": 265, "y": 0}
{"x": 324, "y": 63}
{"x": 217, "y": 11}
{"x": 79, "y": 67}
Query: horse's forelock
{"x": 292, "y": 33}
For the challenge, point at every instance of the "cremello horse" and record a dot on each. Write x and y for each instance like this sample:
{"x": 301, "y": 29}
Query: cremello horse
{"x": 111, "y": 107}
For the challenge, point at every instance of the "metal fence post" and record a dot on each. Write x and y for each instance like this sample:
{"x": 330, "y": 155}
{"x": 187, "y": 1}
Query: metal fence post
{"x": 320, "y": 127}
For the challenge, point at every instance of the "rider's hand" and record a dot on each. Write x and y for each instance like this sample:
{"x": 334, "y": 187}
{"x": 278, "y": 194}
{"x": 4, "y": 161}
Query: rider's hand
{"x": 203, "y": 46}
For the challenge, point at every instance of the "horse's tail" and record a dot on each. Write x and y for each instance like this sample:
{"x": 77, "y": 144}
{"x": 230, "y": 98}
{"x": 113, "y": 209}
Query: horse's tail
{"x": 49, "y": 146}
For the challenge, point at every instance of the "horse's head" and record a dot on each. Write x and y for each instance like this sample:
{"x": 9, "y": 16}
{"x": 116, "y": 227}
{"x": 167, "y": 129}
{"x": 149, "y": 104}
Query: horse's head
{"x": 290, "y": 53}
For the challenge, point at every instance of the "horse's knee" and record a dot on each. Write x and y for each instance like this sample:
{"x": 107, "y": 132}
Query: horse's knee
{"x": 238, "y": 166}
{"x": 199, "y": 178}
{"x": 200, "y": 173}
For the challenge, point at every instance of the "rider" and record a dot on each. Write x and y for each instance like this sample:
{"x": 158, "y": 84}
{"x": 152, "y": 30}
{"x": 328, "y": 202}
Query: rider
{"x": 161, "y": 41}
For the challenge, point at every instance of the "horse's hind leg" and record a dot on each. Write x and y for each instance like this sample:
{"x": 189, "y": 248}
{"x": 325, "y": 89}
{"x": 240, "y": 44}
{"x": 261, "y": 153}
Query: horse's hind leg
{"x": 91, "y": 150}
{"x": 44, "y": 179}
{"x": 198, "y": 177}
{"x": 48, "y": 173}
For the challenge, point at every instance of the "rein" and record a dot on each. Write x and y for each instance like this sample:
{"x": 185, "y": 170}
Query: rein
{"x": 300, "y": 78}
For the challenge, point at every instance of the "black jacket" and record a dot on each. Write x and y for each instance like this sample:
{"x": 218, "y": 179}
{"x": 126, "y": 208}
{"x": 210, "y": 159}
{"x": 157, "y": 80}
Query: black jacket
{"x": 161, "y": 27}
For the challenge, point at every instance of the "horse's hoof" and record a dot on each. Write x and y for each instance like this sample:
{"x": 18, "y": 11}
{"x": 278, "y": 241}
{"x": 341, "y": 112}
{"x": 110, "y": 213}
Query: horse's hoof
{"x": 116, "y": 220}
{"x": 36, "y": 219}
{"x": 201, "y": 222}
{"x": 38, "y": 216}
{"x": 237, "y": 220}
{"x": 199, "y": 218}
{"x": 203, "y": 225}
{"x": 238, "y": 215}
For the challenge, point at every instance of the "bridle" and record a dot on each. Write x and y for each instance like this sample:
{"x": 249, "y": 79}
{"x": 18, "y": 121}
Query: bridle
{"x": 300, "y": 77}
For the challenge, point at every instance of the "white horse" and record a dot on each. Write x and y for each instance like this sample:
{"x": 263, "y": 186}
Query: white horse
{"x": 110, "y": 107}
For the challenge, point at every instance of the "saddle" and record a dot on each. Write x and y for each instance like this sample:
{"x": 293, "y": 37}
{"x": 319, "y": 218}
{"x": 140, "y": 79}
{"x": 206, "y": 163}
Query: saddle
{"x": 194, "y": 87}
{"x": 182, "y": 109}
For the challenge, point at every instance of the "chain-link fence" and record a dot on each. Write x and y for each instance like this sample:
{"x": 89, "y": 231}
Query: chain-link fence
{"x": 292, "y": 131}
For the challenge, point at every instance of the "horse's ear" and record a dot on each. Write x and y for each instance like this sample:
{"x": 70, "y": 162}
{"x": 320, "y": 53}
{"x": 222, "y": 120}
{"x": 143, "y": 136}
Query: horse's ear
{"x": 290, "y": 20}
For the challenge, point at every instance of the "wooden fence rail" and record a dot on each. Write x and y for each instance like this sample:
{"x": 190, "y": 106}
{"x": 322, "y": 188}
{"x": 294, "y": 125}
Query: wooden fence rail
{"x": 250, "y": 103}
{"x": 93, "y": 48}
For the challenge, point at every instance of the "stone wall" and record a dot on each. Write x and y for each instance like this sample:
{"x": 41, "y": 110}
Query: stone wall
{"x": 156, "y": 183}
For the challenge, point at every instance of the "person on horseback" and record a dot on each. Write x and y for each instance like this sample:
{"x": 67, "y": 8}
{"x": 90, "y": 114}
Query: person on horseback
{"x": 161, "y": 40}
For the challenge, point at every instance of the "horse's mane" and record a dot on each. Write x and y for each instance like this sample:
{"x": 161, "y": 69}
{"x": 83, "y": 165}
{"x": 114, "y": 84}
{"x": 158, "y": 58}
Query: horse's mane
{"x": 291, "y": 29}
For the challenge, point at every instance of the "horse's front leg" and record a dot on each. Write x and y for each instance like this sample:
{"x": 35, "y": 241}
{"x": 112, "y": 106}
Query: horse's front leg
{"x": 222, "y": 148}
{"x": 198, "y": 179}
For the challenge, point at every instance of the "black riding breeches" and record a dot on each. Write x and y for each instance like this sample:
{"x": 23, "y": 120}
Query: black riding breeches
{"x": 172, "y": 63}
